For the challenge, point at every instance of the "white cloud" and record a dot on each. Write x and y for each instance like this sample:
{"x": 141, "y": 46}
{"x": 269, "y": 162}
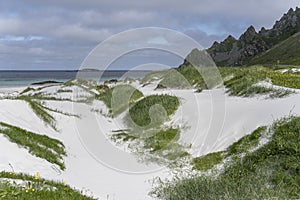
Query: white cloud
{"x": 66, "y": 27}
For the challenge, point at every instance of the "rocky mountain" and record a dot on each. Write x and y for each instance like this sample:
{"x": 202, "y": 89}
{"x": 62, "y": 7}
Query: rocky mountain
{"x": 198, "y": 58}
{"x": 239, "y": 52}
{"x": 286, "y": 52}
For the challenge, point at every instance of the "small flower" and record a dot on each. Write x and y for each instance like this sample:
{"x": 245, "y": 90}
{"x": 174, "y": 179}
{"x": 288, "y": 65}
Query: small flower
{"x": 37, "y": 175}
{"x": 26, "y": 190}
{"x": 65, "y": 183}
{"x": 32, "y": 189}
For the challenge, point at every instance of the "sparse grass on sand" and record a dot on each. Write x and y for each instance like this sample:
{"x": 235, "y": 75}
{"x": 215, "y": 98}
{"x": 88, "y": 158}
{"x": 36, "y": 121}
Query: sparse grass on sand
{"x": 162, "y": 139}
{"x": 152, "y": 142}
{"x": 271, "y": 171}
{"x": 38, "y": 145}
{"x": 118, "y": 98}
{"x": 64, "y": 91}
{"x": 157, "y": 146}
{"x": 243, "y": 145}
{"x": 37, "y": 188}
{"x": 239, "y": 81}
{"x": 42, "y": 111}
{"x": 191, "y": 77}
{"x": 243, "y": 82}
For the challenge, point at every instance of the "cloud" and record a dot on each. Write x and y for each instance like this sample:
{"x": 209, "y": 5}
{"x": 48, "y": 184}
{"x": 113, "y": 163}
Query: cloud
{"x": 63, "y": 32}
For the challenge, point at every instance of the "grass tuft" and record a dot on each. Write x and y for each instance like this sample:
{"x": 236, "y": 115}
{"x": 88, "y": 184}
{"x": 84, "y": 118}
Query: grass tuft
{"x": 41, "y": 146}
{"x": 162, "y": 139}
{"x": 247, "y": 142}
{"x": 140, "y": 112}
{"x": 33, "y": 187}
{"x": 208, "y": 161}
{"x": 119, "y": 98}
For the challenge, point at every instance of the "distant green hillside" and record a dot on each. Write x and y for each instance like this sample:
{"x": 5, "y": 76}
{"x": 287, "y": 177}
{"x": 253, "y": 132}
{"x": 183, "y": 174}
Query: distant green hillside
{"x": 240, "y": 51}
{"x": 286, "y": 52}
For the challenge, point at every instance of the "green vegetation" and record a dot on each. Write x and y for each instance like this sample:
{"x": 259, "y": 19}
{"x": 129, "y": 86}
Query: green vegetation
{"x": 238, "y": 81}
{"x": 36, "y": 188}
{"x": 208, "y": 161}
{"x": 123, "y": 135}
{"x": 43, "y": 97}
{"x": 41, "y": 146}
{"x": 34, "y": 101}
{"x": 64, "y": 90}
{"x": 152, "y": 76}
{"x": 286, "y": 52}
{"x": 243, "y": 81}
{"x": 159, "y": 146}
{"x": 174, "y": 79}
{"x": 147, "y": 138}
{"x": 84, "y": 84}
{"x": 27, "y": 90}
{"x": 118, "y": 98}
{"x": 70, "y": 82}
{"x": 191, "y": 77}
{"x": 153, "y": 110}
{"x": 247, "y": 142}
{"x": 41, "y": 112}
{"x": 162, "y": 139}
{"x": 271, "y": 171}
{"x": 290, "y": 80}
{"x": 243, "y": 145}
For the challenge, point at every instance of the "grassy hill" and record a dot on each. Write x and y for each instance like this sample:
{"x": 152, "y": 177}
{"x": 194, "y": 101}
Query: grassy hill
{"x": 254, "y": 170}
{"x": 286, "y": 52}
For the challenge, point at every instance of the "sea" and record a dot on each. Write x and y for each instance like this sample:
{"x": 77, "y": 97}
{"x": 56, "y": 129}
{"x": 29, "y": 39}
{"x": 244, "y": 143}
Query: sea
{"x": 26, "y": 78}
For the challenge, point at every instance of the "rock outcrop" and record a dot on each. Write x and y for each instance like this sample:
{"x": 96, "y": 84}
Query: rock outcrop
{"x": 238, "y": 52}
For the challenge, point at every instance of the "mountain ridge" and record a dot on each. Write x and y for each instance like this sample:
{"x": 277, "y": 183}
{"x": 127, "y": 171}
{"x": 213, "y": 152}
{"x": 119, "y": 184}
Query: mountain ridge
{"x": 240, "y": 52}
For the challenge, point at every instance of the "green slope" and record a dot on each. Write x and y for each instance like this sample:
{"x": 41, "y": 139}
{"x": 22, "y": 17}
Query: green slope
{"x": 286, "y": 52}
{"x": 270, "y": 171}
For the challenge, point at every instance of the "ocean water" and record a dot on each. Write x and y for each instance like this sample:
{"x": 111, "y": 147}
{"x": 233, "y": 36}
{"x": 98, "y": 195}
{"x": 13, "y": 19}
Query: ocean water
{"x": 26, "y": 78}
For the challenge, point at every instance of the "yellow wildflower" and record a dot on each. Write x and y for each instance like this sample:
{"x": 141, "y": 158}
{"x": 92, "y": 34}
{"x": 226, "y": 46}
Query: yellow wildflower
{"x": 37, "y": 175}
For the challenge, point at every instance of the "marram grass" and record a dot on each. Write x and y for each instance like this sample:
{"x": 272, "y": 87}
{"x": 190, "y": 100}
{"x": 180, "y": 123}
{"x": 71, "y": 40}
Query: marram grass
{"x": 38, "y": 145}
{"x": 270, "y": 172}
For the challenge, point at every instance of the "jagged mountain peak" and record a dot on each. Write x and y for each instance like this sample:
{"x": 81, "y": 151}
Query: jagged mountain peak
{"x": 251, "y": 29}
{"x": 198, "y": 58}
{"x": 289, "y": 20}
{"x": 230, "y": 38}
{"x": 249, "y": 34}
{"x": 251, "y": 43}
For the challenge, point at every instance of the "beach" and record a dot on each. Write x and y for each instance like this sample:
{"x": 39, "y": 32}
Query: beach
{"x": 217, "y": 118}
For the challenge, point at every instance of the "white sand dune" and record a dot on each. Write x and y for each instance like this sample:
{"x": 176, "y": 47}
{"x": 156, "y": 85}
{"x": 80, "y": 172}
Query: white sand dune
{"x": 216, "y": 124}
{"x": 210, "y": 120}
{"x": 83, "y": 171}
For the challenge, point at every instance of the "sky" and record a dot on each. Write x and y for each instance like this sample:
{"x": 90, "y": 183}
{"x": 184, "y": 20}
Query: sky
{"x": 60, "y": 34}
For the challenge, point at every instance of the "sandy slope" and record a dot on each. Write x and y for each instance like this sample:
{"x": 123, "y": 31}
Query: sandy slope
{"x": 211, "y": 121}
{"x": 83, "y": 171}
{"x": 219, "y": 124}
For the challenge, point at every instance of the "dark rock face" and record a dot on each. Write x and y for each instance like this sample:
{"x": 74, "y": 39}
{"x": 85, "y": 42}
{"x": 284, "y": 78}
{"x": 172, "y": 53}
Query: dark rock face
{"x": 233, "y": 52}
{"x": 199, "y": 58}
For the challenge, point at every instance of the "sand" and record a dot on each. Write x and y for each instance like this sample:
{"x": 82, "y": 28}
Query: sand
{"x": 210, "y": 121}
